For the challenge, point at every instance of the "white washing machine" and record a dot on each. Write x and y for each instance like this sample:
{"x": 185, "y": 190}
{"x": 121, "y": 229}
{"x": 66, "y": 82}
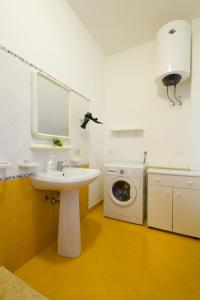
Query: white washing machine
{"x": 124, "y": 192}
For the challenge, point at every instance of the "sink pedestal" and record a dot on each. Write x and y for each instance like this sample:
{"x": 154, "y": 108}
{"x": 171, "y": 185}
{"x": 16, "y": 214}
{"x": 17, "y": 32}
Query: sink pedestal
{"x": 69, "y": 238}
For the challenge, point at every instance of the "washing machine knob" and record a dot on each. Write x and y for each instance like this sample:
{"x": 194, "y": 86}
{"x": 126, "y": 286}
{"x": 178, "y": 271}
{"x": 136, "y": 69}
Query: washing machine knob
{"x": 121, "y": 171}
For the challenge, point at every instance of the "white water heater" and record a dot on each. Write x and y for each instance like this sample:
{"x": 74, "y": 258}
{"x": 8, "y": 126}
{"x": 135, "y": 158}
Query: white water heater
{"x": 173, "y": 44}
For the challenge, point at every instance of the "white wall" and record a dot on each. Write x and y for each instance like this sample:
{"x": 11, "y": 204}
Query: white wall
{"x": 133, "y": 100}
{"x": 15, "y": 121}
{"x": 195, "y": 96}
{"x": 49, "y": 34}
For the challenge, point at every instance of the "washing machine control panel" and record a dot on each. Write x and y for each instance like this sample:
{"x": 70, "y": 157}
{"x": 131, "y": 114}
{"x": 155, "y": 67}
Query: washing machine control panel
{"x": 121, "y": 171}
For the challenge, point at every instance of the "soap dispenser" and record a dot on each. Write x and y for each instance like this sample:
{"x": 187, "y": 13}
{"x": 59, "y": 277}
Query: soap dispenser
{"x": 51, "y": 164}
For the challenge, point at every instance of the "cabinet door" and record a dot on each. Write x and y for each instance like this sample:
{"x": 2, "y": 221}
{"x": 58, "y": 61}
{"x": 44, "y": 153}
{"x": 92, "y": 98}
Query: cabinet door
{"x": 186, "y": 211}
{"x": 160, "y": 207}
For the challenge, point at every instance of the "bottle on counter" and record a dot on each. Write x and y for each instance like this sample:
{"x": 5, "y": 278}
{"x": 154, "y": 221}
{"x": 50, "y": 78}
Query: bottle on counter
{"x": 51, "y": 164}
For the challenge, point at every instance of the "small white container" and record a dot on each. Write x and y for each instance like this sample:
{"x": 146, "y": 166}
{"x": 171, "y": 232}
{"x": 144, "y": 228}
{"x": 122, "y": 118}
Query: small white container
{"x": 28, "y": 164}
{"x": 51, "y": 164}
{"x": 4, "y": 165}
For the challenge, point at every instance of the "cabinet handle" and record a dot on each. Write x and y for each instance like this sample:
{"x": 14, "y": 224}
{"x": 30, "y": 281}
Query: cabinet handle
{"x": 157, "y": 180}
{"x": 190, "y": 182}
{"x": 178, "y": 194}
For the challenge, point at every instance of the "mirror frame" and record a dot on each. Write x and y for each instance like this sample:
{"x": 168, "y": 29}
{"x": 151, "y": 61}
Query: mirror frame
{"x": 34, "y": 107}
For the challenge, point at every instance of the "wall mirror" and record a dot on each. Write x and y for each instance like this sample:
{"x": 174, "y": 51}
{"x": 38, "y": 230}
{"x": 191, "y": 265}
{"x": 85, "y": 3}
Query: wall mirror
{"x": 50, "y": 108}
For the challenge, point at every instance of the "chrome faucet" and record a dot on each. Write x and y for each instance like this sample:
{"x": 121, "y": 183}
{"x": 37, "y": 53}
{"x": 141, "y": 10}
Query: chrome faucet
{"x": 60, "y": 165}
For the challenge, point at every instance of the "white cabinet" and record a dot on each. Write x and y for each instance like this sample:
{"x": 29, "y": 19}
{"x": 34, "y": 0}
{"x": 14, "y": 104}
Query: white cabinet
{"x": 160, "y": 207}
{"x": 186, "y": 211}
{"x": 174, "y": 201}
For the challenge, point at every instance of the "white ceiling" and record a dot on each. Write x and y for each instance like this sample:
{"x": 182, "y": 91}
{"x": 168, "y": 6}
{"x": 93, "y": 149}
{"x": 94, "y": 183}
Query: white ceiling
{"x": 117, "y": 25}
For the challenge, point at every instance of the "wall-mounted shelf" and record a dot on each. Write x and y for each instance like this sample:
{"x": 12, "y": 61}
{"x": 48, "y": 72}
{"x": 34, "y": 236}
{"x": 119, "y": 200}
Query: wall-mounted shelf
{"x": 4, "y": 165}
{"x": 45, "y": 147}
{"x": 26, "y": 165}
{"x": 126, "y": 129}
{"x": 136, "y": 132}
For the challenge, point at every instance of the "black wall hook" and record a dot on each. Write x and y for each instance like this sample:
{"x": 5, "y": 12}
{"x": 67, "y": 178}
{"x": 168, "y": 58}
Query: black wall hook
{"x": 88, "y": 116}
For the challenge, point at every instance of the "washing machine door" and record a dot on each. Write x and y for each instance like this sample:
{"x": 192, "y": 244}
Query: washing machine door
{"x": 122, "y": 191}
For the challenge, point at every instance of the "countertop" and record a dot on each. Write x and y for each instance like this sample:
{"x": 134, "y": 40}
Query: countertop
{"x": 175, "y": 172}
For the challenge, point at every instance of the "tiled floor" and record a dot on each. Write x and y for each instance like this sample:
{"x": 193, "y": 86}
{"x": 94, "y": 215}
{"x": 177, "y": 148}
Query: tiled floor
{"x": 120, "y": 261}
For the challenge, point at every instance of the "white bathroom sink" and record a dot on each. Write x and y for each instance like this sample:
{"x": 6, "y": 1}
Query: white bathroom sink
{"x": 68, "y": 181}
{"x": 68, "y": 178}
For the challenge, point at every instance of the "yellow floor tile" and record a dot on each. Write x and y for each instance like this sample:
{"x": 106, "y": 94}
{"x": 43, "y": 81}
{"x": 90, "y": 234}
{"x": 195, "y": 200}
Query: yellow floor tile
{"x": 119, "y": 261}
{"x": 97, "y": 291}
{"x": 120, "y": 287}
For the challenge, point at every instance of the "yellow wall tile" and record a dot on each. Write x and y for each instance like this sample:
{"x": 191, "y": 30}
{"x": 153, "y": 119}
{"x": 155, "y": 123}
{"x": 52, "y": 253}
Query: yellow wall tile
{"x": 6, "y": 201}
{"x": 6, "y": 245}
{"x": 35, "y": 222}
{"x": 6, "y": 224}
{"x": 28, "y": 224}
{"x": 83, "y": 199}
